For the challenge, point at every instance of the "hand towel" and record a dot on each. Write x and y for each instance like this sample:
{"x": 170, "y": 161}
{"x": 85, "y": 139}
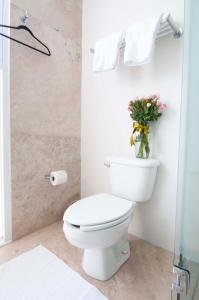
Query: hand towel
{"x": 107, "y": 52}
{"x": 139, "y": 41}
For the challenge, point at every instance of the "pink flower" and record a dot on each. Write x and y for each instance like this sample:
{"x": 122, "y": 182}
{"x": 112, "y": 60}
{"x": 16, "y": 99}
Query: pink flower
{"x": 161, "y": 106}
{"x": 154, "y": 97}
{"x": 134, "y": 99}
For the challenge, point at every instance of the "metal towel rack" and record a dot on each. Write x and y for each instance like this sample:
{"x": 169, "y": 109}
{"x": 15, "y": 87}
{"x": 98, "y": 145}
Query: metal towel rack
{"x": 167, "y": 26}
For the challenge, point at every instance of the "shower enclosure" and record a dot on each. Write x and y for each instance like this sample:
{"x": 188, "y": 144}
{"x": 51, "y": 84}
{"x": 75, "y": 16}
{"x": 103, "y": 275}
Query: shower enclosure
{"x": 186, "y": 260}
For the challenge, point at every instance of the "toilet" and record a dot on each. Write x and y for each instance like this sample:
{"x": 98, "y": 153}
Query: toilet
{"x": 99, "y": 223}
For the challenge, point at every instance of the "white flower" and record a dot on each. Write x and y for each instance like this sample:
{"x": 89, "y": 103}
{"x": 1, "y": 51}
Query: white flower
{"x": 148, "y": 104}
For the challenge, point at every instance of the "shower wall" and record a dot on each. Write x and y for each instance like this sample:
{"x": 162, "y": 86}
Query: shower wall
{"x": 45, "y": 112}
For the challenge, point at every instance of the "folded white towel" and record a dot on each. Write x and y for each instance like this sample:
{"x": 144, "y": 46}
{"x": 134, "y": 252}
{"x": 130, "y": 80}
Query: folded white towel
{"x": 107, "y": 52}
{"x": 140, "y": 40}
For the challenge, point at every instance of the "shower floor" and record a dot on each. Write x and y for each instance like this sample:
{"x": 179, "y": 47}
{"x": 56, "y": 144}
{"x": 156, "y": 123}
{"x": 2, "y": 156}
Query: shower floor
{"x": 146, "y": 276}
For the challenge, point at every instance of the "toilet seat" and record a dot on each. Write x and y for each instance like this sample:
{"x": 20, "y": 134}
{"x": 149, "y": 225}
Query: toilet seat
{"x": 98, "y": 212}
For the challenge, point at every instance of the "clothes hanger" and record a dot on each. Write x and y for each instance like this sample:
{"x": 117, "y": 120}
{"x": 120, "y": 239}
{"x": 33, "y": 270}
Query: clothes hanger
{"x": 24, "y": 27}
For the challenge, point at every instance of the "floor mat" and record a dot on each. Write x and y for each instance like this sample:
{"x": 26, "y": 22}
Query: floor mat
{"x": 39, "y": 275}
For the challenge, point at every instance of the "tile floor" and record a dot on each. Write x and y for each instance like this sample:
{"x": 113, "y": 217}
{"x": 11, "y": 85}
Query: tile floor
{"x": 146, "y": 276}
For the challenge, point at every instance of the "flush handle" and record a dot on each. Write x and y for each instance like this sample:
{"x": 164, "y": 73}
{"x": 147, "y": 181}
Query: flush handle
{"x": 106, "y": 164}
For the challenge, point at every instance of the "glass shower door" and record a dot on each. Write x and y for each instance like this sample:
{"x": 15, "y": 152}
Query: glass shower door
{"x": 187, "y": 232}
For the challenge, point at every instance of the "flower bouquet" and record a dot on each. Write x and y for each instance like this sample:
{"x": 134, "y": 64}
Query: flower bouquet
{"x": 143, "y": 111}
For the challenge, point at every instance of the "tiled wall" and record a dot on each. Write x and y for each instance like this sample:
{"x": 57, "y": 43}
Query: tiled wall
{"x": 45, "y": 112}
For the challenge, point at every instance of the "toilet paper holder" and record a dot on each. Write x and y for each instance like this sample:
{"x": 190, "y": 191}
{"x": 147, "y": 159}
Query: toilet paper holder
{"x": 56, "y": 178}
{"x": 47, "y": 177}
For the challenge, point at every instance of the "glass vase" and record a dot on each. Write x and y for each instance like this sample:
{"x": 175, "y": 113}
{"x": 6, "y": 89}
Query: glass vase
{"x": 142, "y": 145}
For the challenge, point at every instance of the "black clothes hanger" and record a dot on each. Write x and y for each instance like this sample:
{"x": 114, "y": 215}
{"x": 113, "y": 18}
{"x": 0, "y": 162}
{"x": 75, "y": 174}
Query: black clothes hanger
{"x": 24, "y": 27}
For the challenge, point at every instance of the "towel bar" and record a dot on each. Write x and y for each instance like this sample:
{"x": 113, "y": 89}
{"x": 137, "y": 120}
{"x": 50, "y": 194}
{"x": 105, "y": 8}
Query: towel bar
{"x": 167, "y": 26}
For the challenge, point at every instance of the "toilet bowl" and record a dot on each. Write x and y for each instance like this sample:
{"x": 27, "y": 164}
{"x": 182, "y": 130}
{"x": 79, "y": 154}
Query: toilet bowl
{"x": 99, "y": 223}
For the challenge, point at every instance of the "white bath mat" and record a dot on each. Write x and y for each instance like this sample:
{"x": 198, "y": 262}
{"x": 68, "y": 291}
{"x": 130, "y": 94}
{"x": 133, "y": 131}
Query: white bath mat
{"x": 40, "y": 275}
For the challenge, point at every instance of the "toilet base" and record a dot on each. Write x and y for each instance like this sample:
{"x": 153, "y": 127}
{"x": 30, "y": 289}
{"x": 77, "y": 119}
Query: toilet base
{"x": 103, "y": 263}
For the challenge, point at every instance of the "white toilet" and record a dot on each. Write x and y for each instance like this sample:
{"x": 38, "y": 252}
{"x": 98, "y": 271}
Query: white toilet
{"x": 99, "y": 224}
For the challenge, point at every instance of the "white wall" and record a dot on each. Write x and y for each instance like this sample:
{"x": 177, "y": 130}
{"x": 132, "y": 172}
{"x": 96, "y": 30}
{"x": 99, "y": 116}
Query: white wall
{"x": 106, "y": 125}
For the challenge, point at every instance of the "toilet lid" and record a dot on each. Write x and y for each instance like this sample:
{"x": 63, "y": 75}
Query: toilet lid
{"x": 97, "y": 209}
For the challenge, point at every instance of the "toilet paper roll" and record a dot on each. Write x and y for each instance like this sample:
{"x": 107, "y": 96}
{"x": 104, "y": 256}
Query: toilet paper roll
{"x": 58, "y": 177}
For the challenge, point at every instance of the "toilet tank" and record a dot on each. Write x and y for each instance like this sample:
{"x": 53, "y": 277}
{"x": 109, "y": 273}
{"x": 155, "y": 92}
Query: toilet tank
{"x": 131, "y": 178}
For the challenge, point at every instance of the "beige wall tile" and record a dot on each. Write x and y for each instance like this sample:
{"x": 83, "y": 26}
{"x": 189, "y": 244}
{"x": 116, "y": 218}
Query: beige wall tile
{"x": 45, "y": 112}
